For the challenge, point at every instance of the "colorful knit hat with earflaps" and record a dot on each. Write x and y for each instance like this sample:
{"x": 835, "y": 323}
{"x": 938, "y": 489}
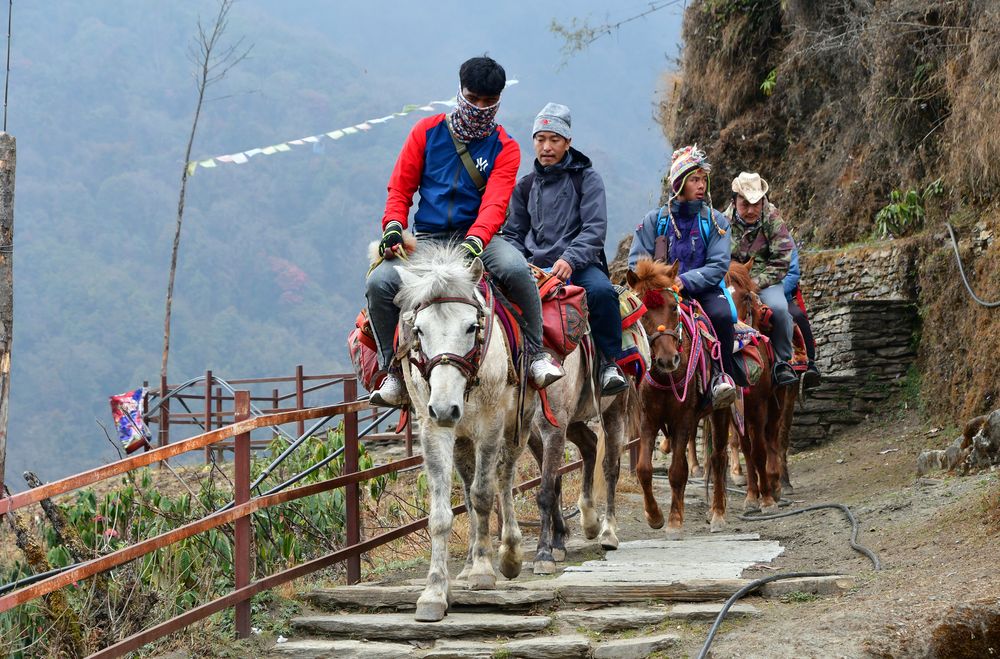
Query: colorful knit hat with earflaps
{"x": 683, "y": 162}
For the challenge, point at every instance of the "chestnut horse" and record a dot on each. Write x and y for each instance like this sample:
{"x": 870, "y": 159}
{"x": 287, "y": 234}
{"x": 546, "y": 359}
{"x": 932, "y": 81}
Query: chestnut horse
{"x": 671, "y": 406}
{"x": 762, "y": 402}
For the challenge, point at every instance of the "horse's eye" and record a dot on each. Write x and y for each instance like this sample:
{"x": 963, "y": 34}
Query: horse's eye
{"x": 471, "y": 329}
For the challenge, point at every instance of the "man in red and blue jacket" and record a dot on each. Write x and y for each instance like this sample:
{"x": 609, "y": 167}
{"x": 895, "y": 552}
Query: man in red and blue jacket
{"x": 453, "y": 207}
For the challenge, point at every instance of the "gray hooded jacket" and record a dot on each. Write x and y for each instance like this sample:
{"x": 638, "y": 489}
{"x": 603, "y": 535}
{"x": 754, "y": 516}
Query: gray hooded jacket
{"x": 553, "y": 222}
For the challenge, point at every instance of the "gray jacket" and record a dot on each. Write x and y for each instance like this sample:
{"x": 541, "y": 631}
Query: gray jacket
{"x": 697, "y": 280}
{"x": 552, "y": 222}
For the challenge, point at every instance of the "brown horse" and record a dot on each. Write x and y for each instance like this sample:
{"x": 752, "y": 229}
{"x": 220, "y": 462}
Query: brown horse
{"x": 677, "y": 414}
{"x": 762, "y": 402}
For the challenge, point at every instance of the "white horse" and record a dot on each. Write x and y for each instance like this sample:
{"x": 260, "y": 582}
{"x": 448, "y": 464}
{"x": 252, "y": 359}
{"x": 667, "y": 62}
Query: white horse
{"x": 575, "y": 400}
{"x": 456, "y": 368}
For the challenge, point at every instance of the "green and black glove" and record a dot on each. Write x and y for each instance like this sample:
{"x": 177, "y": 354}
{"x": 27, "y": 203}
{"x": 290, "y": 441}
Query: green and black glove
{"x": 392, "y": 237}
{"x": 474, "y": 246}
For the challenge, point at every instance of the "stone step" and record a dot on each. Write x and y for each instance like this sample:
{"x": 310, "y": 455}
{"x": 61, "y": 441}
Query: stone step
{"x": 565, "y": 646}
{"x": 402, "y": 626}
{"x": 404, "y": 598}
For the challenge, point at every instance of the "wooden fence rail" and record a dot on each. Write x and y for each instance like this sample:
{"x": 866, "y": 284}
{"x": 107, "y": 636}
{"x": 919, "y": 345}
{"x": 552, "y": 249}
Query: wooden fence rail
{"x": 240, "y": 514}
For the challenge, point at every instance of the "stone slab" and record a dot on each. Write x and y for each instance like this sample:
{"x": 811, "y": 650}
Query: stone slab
{"x": 567, "y": 646}
{"x": 832, "y": 585}
{"x": 710, "y": 611}
{"x": 588, "y": 591}
{"x": 635, "y": 648}
{"x": 405, "y": 598}
{"x": 402, "y": 626}
{"x": 613, "y": 618}
{"x": 347, "y": 649}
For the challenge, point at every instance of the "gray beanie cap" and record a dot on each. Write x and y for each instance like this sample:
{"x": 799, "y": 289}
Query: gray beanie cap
{"x": 554, "y": 118}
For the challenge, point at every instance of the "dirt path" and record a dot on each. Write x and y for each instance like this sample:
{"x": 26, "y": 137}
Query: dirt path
{"x": 933, "y": 536}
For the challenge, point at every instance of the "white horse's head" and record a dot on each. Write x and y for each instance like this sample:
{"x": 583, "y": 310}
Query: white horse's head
{"x": 439, "y": 302}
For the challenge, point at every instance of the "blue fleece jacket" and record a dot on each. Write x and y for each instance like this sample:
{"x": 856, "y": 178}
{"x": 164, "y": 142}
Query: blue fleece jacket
{"x": 714, "y": 262}
{"x": 791, "y": 280}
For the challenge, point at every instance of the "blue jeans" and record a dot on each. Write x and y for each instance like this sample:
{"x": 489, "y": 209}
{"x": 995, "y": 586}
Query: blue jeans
{"x": 502, "y": 260}
{"x": 716, "y": 307}
{"x": 781, "y": 321}
{"x": 605, "y": 316}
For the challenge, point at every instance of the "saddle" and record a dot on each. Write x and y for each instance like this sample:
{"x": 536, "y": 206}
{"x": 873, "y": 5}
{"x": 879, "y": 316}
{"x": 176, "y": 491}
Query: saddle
{"x": 800, "y": 358}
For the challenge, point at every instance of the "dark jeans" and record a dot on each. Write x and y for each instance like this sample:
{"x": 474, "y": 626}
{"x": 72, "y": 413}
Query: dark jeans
{"x": 716, "y": 306}
{"x": 803, "y": 322}
{"x": 502, "y": 260}
{"x": 605, "y": 316}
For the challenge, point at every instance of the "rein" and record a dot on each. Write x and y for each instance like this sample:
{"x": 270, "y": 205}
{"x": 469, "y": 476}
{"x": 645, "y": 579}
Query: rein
{"x": 468, "y": 363}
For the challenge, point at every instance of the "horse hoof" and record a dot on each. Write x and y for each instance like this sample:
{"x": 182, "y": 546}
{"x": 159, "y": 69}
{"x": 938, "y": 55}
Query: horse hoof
{"x": 739, "y": 480}
{"x": 464, "y": 574}
{"x": 559, "y": 555}
{"x": 751, "y": 507}
{"x": 609, "y": 541}
{"x": 482, "y": 582}
{"x": 786, "y": 488}
{"x": 698, "y": 472}
{"x": 655, "y": 522}
{"x": 769, "y": 509}
{"x": 716, "y": 525}
{"x": 430, "y": 611}
{"x": 543, "y": 567}
{"x": 510, "y": 566}
{"x": 674, "y": 533}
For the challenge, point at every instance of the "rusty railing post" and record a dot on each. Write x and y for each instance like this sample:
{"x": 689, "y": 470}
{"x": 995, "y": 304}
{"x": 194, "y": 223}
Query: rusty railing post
{"x": 145, "y": 407}
{"x": 219, "y": 454}
{"x": 300, "y": 399}
{"x": 164, "y": 435}
{"x": 242, "y": 495}
{"x": 351, "y": 491}
{"x": 409, "y": 433}
{"x": 208, "y": 412}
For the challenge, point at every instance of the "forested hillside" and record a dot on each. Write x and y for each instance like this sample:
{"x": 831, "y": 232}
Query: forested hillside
{"x": 272, "y": 254}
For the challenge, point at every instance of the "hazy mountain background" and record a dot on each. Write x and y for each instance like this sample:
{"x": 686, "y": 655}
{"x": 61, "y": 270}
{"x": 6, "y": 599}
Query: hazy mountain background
{"x": 272, "y": 254}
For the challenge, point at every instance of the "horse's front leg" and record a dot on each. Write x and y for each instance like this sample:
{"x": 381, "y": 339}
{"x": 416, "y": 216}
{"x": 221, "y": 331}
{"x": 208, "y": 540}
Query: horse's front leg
{"x": 465, "y": 465}
{"x": 511, "y": 557}
{"x": 717, "y": 466}
{"x": 484, "y": 488}
{"x": 735, "y": 470}
{"x": 586, "y": 441}
{"x": 614, "y": 440}
{"x": 648, "y": 428}
{"x": 552, "y": 442}
{"x": 438, "y": 446}
{"x": 683, "y": 432}
{"x": 694, "y": 466}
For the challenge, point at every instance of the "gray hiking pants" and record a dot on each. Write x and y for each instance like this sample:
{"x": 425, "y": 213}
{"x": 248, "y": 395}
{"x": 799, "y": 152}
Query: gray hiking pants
{"x": 502, "y": 260}
{"x": 781, "y": 333}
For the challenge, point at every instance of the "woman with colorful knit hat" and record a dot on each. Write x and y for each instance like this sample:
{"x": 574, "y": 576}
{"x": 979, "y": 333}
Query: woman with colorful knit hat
{"x": 688, "y": 230}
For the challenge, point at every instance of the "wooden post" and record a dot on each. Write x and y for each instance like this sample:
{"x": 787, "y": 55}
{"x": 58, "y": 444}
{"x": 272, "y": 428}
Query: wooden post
{"x": 208, "y": 412}
{"x": 145, "y": 407}
{"x": 242, "y": 495}
{"x": 8, "y": 160}
{"x": 351, "y": 490}
{"x": 300, "y": 399}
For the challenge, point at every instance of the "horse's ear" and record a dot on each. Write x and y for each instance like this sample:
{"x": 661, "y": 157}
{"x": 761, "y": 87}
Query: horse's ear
{"x": 674, "y": 269}
{"x": 749, "y": 264}
{"x": 631, "y": 279}
{"x": 476, "y": 269}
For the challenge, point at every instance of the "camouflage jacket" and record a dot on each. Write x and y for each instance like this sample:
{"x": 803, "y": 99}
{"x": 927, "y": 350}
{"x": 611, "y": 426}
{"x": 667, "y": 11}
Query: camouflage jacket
{"x": 768, "y": 241}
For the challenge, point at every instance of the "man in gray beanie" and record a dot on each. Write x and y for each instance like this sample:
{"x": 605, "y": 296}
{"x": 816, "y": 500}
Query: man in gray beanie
{"x": 559, "y": 221}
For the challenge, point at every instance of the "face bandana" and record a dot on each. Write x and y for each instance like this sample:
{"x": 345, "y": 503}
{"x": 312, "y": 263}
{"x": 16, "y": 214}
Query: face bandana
{"x": 472, "y": 123}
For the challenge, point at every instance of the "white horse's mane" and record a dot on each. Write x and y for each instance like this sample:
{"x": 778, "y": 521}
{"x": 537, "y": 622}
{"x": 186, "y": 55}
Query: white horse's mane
{"x": 435, "y": 270}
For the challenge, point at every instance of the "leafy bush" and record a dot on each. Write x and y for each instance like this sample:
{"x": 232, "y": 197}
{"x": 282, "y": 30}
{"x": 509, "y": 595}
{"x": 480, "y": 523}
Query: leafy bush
{"x": 905, "y": 212}
{"x": 165, "y": 583}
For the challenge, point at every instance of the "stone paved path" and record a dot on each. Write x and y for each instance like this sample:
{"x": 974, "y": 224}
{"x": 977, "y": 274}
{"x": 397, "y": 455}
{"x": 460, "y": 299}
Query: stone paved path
{"x": 623, "y": 604}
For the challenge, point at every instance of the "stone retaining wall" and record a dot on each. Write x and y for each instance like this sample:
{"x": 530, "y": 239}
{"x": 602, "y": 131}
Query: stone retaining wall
{"x": 862, "y": 305}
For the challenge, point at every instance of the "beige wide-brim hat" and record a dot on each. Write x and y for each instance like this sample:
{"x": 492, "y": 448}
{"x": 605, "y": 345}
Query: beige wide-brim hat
{"x": 750, "y": 186}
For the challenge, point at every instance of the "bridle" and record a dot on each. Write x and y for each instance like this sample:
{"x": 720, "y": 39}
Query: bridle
{"x": 469, "y": 363}
{"x": 677, "y": 333}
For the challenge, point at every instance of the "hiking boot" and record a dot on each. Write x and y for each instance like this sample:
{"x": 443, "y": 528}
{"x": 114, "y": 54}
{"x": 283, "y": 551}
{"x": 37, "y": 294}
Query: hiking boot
{"x": 784, "y": 374}
{"x": 392, "y": 393}
{"x": 811, "y": 378}
{"x": 544, "y": 370}
{"x": 612, "y": 380}
{"x": 723, "y": 391}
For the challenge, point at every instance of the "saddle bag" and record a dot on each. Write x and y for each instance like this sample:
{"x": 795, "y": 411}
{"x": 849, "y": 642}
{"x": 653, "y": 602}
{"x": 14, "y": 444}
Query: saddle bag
{"x": 364, "y": 353}
{"x": 564, "y": 314}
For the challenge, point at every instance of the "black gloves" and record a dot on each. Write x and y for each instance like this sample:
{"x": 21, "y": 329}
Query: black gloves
{"x": 474, "y": 246}
{"x": 392, "y": 240}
